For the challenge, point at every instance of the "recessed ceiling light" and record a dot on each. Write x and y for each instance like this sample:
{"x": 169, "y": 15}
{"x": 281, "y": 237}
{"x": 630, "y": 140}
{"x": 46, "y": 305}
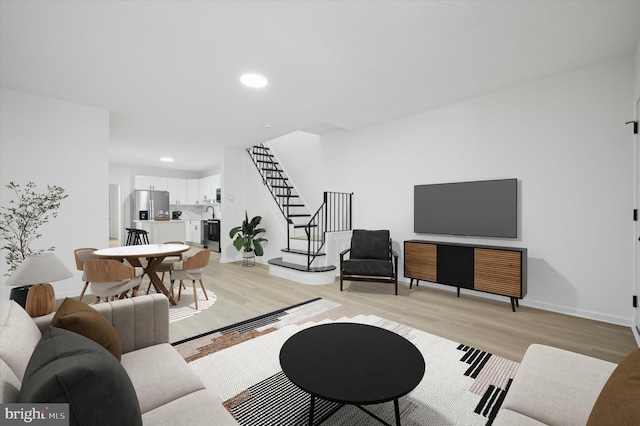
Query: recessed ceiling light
{"x": 255, "y": 81}
{"x": 167, "y": 159}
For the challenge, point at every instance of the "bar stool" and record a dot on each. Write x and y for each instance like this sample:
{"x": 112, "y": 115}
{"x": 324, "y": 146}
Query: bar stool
{"x": 141, "y": 237}
{"x": 131, "y": 234}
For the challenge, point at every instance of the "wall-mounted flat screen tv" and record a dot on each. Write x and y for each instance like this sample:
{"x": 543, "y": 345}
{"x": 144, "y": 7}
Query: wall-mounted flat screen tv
{"x": 483, "y": 208}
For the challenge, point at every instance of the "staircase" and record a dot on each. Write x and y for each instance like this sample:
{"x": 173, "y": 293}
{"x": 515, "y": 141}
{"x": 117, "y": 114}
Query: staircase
{"x": 304, "y": 259}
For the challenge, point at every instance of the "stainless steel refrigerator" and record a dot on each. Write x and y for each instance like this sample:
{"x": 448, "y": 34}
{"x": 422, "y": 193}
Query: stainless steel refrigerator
{"x": 148, "y": 205}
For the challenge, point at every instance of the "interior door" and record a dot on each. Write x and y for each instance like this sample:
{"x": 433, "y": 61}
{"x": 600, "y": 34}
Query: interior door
{"x": 637, "y": 206}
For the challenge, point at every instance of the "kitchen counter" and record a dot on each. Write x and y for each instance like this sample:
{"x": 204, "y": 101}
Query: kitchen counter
{"x": 161, "y": 231}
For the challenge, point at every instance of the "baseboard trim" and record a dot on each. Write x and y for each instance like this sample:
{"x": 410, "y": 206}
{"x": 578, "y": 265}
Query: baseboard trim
{"x": 581, "y": 313}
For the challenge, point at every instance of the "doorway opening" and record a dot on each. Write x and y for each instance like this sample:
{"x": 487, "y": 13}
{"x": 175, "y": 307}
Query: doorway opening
{"x": 115, "y": 212}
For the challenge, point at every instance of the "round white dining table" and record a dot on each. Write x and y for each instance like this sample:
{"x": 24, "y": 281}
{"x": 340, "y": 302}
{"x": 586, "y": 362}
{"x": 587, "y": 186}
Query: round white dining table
{"x": 154, "y": 253}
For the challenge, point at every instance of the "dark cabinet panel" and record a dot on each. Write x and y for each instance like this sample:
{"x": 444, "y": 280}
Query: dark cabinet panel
{"x": 490, "y": 269}
{"x": 455, "y": 266}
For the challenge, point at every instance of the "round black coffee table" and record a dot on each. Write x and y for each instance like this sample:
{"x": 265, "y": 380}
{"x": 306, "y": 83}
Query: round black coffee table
{"x": 353, "y": 364}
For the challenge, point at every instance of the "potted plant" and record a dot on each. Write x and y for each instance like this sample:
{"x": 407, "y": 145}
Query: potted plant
{"x": 246, "y": 236}
{"x": 19, "y": 222}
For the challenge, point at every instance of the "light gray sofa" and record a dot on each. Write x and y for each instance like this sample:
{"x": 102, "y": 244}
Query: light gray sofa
{"x": 168, "y": 392}
{"x": 553, "y": 387}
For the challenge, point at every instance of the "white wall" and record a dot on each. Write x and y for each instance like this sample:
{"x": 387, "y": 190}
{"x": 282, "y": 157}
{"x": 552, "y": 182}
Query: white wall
{"x": 300, "y": 155}
{"x": 243, "y": 190}
{"x": 51, "y": 142}
{"x": 637, "y": 71}
{"x": 564, "y": 138}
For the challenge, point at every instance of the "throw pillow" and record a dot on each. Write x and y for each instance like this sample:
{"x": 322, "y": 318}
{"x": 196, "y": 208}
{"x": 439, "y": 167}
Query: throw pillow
{"x": 83, "y": 319}
{"x": 69, "y": 368}
{"x": 617, "y": 403}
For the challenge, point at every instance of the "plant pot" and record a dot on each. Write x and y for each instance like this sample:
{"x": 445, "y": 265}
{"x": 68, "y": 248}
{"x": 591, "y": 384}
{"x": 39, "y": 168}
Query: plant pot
{"x": 246, "y": 256}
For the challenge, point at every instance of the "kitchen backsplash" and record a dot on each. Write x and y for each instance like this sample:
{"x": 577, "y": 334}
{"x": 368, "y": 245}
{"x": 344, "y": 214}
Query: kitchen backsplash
{"x": 191, "y": 211}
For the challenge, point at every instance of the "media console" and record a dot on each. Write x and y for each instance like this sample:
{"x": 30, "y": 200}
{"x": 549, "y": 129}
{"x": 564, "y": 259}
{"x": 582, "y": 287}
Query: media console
{"x": 491, "y": 269}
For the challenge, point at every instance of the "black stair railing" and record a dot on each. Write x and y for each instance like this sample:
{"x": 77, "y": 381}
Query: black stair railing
{"x": 274, "y": 179}
{"x": 335, "y": 214}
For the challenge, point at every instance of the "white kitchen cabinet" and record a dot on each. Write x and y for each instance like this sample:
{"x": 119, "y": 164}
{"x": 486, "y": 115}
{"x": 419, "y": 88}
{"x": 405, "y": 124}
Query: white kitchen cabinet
{"x": 150, "y": 182}
{"x": 177, "y": 191}
{"x": 193, "y": 231}
{"x": 172, "y": 187}
{"x": 192, "y": 191}
{"x": 217, "y": 183}
{"x": 206, "y": 190}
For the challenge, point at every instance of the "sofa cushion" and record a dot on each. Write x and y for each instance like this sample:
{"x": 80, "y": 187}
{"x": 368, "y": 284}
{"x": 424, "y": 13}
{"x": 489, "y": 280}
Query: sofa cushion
{"x": 9, "y": 384}
{"x": 67, "y": 367}
{"x": 159, "y": 375}
{"x": 554, "y": 386}
{"x": 619, "y": 400}
{"x": 511, "y": 418}
{"x": 83, "y": 319}
{"x": 190, "y": 410}
{"x": 19, "y": 336}
{"x": 380, "y": 268}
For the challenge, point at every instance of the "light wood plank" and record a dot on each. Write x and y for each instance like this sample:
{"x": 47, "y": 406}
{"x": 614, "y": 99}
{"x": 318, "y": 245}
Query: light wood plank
{"x": 487, "y": 324}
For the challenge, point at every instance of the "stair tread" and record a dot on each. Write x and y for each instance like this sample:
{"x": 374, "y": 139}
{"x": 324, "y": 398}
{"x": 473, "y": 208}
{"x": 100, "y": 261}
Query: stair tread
{"x": 305, "y": 226}
{"x": 279, "y": 262}
{"x": 300, "y": 215}
{"x": 302, "y": 252}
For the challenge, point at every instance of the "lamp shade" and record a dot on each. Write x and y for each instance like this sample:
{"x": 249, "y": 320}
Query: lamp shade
{"x": 38, "y": 269}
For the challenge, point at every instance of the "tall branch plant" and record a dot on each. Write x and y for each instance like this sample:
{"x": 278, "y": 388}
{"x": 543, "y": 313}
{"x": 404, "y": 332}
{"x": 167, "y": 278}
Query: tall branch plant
{"x": 19, "y": 222}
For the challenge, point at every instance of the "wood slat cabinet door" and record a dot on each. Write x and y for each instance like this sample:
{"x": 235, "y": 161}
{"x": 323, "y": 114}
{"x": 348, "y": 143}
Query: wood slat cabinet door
{"x": 421, "y": 261}
{"x": 498, "y": 272}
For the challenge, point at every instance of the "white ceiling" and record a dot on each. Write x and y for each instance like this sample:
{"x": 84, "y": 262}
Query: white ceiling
{"x": 168, "y": 71}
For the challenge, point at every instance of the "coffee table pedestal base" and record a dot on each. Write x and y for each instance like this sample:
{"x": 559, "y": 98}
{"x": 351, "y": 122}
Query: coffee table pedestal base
{"x": 313, "y": 404}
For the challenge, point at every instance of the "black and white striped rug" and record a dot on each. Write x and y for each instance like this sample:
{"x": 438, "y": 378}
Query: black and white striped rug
{"x": 240, "y": 364}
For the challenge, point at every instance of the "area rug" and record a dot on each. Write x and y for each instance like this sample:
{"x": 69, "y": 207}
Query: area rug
{"x": 240, "y": 364}
{"x": 186, "y": 307}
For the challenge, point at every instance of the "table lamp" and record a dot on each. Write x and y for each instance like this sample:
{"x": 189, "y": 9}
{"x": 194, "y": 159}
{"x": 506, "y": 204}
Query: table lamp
{"x": 37, "y": 270}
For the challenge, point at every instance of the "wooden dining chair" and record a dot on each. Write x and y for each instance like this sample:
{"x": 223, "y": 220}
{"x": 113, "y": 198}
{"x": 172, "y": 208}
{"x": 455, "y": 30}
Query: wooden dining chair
{"x": 165, "y": 266}
{"x": 191, "y": 269}
{"x": 81, "y": 255}
{"x": 111, "y": 278}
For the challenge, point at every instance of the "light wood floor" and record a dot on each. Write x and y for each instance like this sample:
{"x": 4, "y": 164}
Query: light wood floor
{"x": 246, "y": 292}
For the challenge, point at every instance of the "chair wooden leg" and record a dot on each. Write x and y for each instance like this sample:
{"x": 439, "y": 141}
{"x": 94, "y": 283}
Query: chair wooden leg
{"x": 205, "y": 291}
{"x": 195, "y": 295}
{"x": 180, "y": 289}
{"x": 83, "y": 290}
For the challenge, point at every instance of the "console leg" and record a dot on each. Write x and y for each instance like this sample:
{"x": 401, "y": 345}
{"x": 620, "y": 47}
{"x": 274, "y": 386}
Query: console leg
{"x": 513, "y": 304}
{"x": 458, "y": 291}
{"x": 411, "y": 284}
